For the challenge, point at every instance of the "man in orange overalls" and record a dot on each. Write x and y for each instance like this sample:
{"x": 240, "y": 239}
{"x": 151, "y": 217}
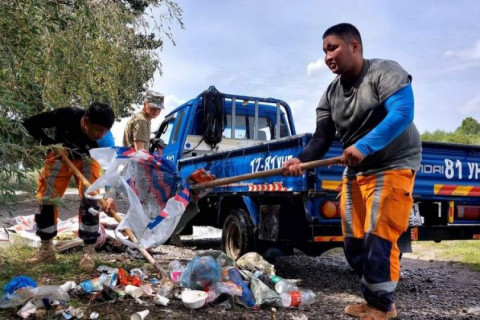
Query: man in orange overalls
{"x": 78, "y": 130}
{"x": 369, "y": 105}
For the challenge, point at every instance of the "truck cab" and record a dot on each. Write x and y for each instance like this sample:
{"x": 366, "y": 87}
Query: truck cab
{"x": 246, "y": 121}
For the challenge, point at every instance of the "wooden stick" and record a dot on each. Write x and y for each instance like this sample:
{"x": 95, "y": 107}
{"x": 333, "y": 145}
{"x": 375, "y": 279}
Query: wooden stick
{"x": 262, "y": 174}
{"x": 111, "y": 213}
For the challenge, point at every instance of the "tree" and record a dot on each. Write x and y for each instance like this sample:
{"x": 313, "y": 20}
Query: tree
{"x": 73, "y": 52}
{"x": 469, "y": 126}
{"x": 449, "y": 137}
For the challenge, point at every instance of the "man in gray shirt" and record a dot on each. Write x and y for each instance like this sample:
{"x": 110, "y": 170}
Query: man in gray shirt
{"x": 369, "y": 106}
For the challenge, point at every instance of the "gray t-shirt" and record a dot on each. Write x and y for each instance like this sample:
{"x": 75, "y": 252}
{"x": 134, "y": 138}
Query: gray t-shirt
{"x": 357, "y": 109}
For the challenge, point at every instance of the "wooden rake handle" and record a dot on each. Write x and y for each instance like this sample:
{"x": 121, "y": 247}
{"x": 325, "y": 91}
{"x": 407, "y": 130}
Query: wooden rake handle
{"x": 262, "y": 174}
{"x": 111, "y": 213}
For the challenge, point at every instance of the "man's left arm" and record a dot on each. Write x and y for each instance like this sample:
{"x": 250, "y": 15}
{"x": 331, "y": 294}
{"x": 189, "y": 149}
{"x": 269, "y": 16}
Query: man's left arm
{"x": 400, "y": 107}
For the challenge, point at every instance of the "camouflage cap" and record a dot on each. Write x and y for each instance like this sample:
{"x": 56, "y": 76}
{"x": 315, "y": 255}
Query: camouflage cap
{"x": 155, "y": 99}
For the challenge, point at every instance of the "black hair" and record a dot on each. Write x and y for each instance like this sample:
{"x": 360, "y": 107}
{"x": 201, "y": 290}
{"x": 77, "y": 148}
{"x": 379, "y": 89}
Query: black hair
{"x": 101, "y": 114}
{"x": 345, "y": 31}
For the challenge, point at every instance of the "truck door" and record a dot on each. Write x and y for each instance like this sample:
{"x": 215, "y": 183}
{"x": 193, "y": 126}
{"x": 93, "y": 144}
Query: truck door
{"x": 171, "y": 132}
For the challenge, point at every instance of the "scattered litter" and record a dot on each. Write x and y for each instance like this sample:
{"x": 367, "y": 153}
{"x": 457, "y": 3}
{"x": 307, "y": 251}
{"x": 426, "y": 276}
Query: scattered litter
{"x": 161, "y": 300}
{"x": 133, "y": 291}
{"x": 17, "y": 283}
{"x": 253, "y": 261}
{"x": 194, "y": 299}
{"x": 72, "y": 313}
{"x": 209, "y": 278}
{"x": 69, "y": 285}
{"x": 200, "y": 273}
{"x": 176, "y": 269}
{"x": 225, "y": 287}
{"x": 147, "y": 289}
{"x": 27, "y": 310}
{"x": 138, "y": 273}
{"x": 247, "y": 297}
{"x": 140, "y": 315}
{"x": 67, "y": 232}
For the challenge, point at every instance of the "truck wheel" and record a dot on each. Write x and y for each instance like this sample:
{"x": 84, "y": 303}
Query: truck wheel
{"x": 237, "y": 234}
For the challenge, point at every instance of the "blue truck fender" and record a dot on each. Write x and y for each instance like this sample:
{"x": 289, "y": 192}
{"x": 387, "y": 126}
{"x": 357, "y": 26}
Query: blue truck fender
{"x": 251, "y": 207}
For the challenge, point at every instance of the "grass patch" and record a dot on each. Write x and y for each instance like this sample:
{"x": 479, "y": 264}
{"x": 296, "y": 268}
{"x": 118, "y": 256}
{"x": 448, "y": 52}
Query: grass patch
{"x": 465, "y": 251}
{"x": 64, "y": 269}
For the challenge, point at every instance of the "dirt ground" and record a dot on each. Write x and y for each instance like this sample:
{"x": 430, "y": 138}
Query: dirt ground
{"x": 428, "y": 289}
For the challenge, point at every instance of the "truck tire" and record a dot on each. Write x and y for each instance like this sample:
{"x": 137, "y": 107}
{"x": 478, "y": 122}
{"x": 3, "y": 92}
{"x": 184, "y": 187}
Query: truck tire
{"x": 237, "y": 234}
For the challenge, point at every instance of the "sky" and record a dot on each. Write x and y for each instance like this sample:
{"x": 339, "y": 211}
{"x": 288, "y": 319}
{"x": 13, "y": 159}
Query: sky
{"x": 273, "y": 48}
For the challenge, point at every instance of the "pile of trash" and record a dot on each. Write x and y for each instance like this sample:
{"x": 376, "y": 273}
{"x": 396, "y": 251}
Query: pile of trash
{"x": 210, "y": 278}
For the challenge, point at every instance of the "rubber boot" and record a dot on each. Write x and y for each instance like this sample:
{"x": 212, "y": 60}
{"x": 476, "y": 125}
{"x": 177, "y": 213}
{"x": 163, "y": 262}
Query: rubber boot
{"x": 46, "y": 253}
{"x": 87, "y": 262}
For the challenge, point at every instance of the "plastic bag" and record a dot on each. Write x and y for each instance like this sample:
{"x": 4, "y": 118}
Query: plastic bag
{"x": 222, "y": 258}
{"x": 21, "y": 296}
{"x": 157, "y": 195}
{"x": 201, "y": 273}
{"x": 261, "y": 292}
{"x": 19, "y": 282}
{"x": 253, "y": 261}
{"x": 219, "y": 288}
{"x": 9, "y": 298}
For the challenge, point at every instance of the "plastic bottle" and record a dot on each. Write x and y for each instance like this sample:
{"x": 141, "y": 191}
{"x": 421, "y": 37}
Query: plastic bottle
{"x": 296, "y": 298}
{"x": 247, "y": 295}
{"x": 176, "y": 269}
{"x": 283, "y": 285}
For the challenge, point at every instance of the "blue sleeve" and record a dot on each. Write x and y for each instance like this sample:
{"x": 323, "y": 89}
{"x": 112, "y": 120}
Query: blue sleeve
{"x": 107, "y": 140}
{"x": 399, "y": 116}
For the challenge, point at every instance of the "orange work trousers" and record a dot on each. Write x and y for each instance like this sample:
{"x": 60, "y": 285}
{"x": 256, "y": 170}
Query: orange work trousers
{"x": 375, "y": 212}
{"x": 52, "y": 183}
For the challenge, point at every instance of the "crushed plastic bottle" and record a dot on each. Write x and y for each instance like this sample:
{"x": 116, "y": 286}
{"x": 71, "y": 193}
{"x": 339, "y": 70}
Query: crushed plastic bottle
{"x": 296, "y": 298}
{"x": 283, "y": 285}
{"x": 247, "y": 295}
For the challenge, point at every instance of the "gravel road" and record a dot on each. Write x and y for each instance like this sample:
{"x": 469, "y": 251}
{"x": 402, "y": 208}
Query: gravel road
{"x": 429, "y": 289}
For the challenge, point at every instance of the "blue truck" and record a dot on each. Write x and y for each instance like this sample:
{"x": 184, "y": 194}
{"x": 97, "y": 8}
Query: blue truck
{"x": 232, "y": 135}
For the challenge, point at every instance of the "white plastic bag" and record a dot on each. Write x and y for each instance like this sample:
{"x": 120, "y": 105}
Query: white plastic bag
{"x": 157, "y": 195}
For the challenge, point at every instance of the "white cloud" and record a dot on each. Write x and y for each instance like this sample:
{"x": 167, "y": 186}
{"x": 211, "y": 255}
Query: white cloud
{"x": 466, "y": 54}
{"x": 304, "y": 116}
{"x": 315, "y": 67}
{"x": 472, "y": 106}
{"x": 171, "y": 102}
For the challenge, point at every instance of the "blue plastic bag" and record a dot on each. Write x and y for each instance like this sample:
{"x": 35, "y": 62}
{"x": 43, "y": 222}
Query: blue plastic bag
{"x": 200, "y": 273}
{"x": 19, "y": 282}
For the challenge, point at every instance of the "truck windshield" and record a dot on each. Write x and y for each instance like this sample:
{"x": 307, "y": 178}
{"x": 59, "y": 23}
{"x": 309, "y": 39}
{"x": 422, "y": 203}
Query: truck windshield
{"x": 166, "y": 130}
{"x": 244, "y": 128}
